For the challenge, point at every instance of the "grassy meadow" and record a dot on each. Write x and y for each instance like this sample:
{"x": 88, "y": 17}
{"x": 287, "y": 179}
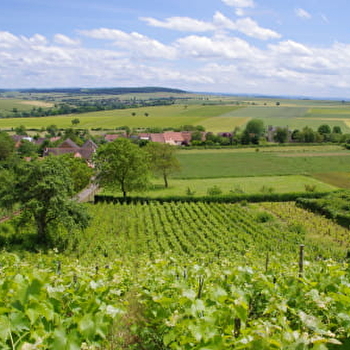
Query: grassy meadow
{"x": 249, "y": 185}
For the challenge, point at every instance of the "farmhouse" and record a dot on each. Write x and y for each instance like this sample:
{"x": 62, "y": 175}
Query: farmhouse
{"x": 68, "y": 146}
{"x": 170, "y": 137}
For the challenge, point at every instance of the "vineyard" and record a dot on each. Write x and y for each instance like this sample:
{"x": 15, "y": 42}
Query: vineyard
{"x": 182, "y": 276}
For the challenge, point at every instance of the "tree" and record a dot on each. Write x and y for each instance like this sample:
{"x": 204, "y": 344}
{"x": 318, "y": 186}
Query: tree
{"x": 163, "y": 160}
{"x": 281, "y": 135}
{"x": 122, "y": 165}
{"x": 52, "y": 130}
{"x": 324, "y": 129}
{"x": 28, "y": 149}
{"x": 21, "y": 130}
{"x": 336, "y": 130}
{"x": 7, "y": 146}
{"x": 79, "y": 171}
{"x": 256, "y": 127}
{"x": 75, "y": 121}
{"x": 43, "y": 190}
{"x": 253, "y": 131}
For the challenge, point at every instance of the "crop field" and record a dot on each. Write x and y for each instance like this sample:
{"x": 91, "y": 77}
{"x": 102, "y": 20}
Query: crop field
{"x": 241, "y": 164}
{"x": 7, "y": 105}
{"x": 162, "y": 116}
{"x": 182, "y": 276}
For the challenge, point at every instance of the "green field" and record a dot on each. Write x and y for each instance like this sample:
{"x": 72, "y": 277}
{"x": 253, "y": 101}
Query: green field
{"x": 163, "y": 116}
{"x": 277, "y": 184}
{"x": 218, "y": 164}
{"x": 7, "y": 105}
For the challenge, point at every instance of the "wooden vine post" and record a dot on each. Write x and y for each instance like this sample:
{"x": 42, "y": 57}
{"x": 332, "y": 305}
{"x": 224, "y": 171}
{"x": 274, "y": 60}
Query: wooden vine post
{"x": 301, "y": 260}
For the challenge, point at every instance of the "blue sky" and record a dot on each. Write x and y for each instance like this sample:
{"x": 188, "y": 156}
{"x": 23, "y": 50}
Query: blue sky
{"x": 230, "y": 46}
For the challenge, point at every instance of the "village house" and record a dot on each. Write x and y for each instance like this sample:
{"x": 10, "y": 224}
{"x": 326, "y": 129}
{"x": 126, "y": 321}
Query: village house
{"x": 86, "y": 151}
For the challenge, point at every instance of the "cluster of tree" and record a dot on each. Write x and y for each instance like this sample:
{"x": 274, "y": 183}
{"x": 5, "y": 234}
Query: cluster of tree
{"x": 76, "y": 106}
{"x": 100, "y": 91}
{"x": 255, "y": 133}
{"x": 124, "y": 166}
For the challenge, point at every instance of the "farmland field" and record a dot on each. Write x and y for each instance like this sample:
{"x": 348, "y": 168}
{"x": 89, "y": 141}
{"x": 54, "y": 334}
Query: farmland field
{"x": 222, "y": 115}
{"x": 7, "y": 105}
{"x": 218, "y": 164}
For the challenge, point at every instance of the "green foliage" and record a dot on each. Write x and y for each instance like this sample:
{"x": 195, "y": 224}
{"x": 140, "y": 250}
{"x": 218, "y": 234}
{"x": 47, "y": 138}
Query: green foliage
{"x": 324, "y": 129}
{"x": 43, "y": 191}
{"x": 79, "y": 171}
{"x": 7, "y": 146}
{"x": 335, "y": 206}
{"x": 281, "y": 135}
{"x": 214, "y": 191}
{"x": 122, "y": 166}
{"x": 28, "y": 149}
{"x": 162, "y": 159}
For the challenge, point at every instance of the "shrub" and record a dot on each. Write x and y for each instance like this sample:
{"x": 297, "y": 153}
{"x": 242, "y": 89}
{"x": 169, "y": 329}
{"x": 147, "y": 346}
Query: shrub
{"x": 214, "y": 191}
{"x": 310, "y": 188}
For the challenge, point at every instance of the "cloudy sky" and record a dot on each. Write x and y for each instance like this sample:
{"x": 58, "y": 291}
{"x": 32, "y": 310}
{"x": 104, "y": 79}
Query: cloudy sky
{"x": 231, "y": 46}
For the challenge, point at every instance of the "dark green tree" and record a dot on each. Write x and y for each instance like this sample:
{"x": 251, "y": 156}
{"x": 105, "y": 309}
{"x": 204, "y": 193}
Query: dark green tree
{"x": 21, "y": 130}
{"x": 324, "y": 129}
{"x": 43, "y": 191}
{"x": 163, "y": 160}
{"x": 122, "y": 165}
{"x": 28, "y": 149}
{"x": 75, "y": 121}
{"x": 281, "y": 135}
{"x": 253, "y": 131}
{"x": 336, "y": 129}
{"x": 7, "y": 146}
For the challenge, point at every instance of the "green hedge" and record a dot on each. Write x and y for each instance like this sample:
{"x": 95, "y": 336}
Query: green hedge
{"x": 335, "y": 206}
{"x": 251, "y": 198}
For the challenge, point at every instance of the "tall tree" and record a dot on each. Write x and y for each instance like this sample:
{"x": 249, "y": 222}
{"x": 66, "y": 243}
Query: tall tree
{"x": 163, "y": 159}
{"x": 43, "y": 190}
{"x": 123, "y": 166}
{"x": 7, "y": 146}
{"x": 281, "y": 135}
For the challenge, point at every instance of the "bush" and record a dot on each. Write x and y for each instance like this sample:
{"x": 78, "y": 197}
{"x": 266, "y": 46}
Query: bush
{"x": 214, "y": 191}
{"x": 310, "y": 188}
{"x": 264, "y": 217}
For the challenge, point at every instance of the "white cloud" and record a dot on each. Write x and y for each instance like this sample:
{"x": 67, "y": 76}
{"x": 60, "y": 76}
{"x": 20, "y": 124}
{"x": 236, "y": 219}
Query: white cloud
{"x": 290, "y": 47}
{"x": 65, "y": 40}
{"x": 239, "y": 3}
{"x": 246, "y": 26}
{"x": 302, "y": 13}
{"x": 184, "y": 24}
{"x": 135, "y": 43}
{"x": 216, "y": 62}
{"x": 251, "y": 28}
{"x": 217, "y": 47}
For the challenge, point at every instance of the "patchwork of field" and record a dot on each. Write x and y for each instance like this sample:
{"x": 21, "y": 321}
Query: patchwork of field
{"x": 216, "y": 115}
{"x": 160, "y": 116}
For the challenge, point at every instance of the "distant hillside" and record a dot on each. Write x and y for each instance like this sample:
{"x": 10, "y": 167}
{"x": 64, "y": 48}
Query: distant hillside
{"x": 100, "y": 91}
